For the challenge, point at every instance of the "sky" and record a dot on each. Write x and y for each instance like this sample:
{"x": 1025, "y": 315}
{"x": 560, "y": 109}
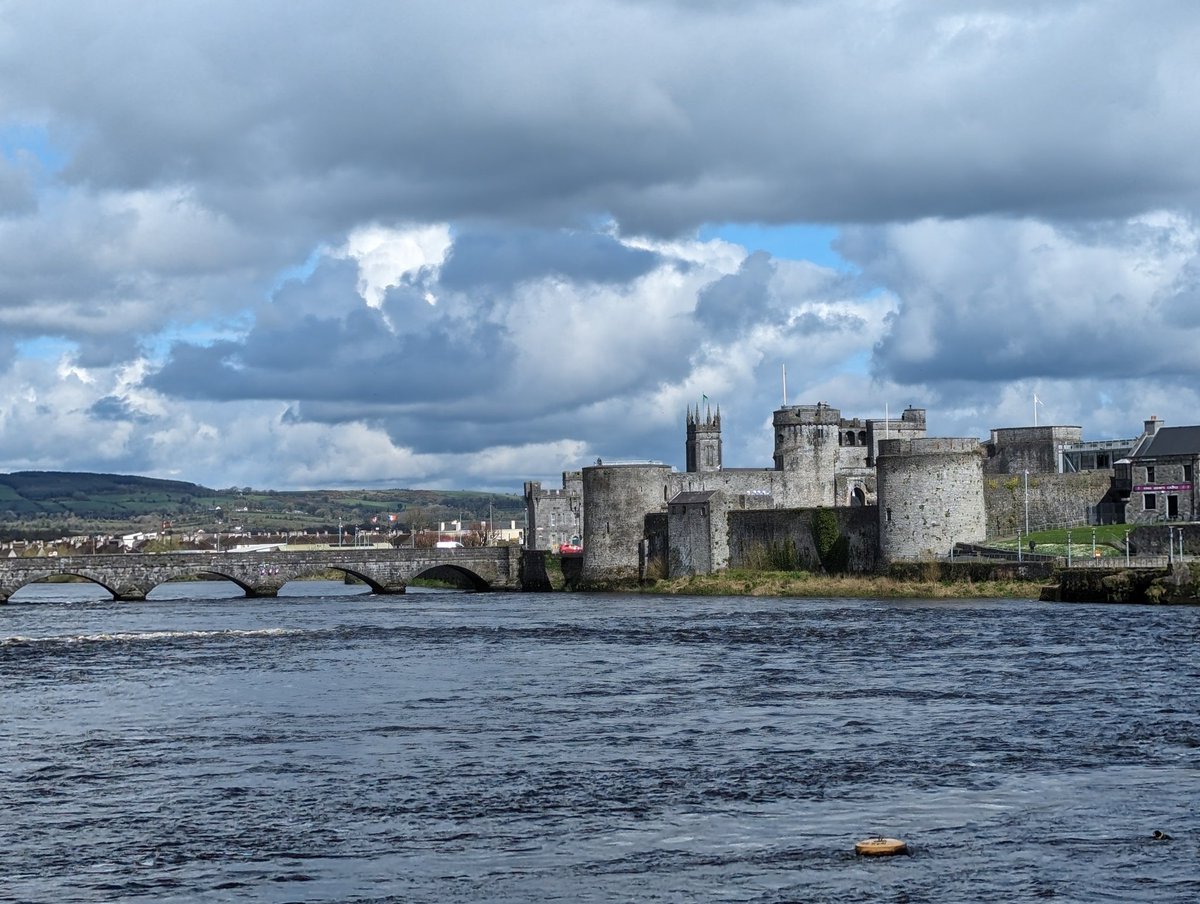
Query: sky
{"x": 290, "y": 244}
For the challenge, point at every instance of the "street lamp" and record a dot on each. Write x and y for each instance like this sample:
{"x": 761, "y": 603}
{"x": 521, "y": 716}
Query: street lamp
{"x": 1068, "y": 549}
{"x": 1026, "y": 502}
{"x": 1126, "y": 549}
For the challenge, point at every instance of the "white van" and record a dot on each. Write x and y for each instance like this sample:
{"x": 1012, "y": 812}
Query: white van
{"x": 447, "y": 544}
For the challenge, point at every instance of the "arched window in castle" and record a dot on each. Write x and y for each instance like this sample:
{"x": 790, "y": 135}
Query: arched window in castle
{"x": 849, "y": 438}
{"x": 862, "y": 437}
{"x": 858, "y": 497}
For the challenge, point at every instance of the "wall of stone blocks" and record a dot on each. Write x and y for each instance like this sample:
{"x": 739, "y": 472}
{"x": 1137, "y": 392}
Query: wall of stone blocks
{"x": 691, "y": 541}
{"x": 753, "y": 534}
{"x": 1012, "y": 450}
{"x": 616, "y": 500}
{"x": 930, "y": 496}
{"x": 1055, "y": 500}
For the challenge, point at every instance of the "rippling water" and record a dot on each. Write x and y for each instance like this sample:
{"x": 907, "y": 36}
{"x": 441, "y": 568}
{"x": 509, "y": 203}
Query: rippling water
{"x": 335, "y": 746}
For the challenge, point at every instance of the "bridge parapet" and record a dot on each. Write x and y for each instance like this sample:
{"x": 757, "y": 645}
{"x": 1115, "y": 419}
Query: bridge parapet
{"x": 261, "y": 574}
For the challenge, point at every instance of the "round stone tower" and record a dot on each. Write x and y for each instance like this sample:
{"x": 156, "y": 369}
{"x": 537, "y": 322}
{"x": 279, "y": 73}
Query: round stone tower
{"x": 616, "y": 500}
{"x": 930, "y": 496}
{"x": 806, "y": 450}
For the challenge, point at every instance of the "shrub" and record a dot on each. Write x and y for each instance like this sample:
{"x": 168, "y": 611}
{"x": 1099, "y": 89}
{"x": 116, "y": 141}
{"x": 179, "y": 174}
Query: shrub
{"x": 833, "y": 548}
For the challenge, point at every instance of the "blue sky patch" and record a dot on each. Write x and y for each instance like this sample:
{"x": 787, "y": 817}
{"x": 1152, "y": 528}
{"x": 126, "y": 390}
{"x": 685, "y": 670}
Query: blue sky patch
{"x": 795, "y": 241}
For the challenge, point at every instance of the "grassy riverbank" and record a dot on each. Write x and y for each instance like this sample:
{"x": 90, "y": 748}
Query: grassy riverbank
{"x": 805, "y": 584}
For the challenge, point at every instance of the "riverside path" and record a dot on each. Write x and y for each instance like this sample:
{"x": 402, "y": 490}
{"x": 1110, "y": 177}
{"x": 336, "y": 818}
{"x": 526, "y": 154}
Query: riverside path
{"x": 132, "y": 576}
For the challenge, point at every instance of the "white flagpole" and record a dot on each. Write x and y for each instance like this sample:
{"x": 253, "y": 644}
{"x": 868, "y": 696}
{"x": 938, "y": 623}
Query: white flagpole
{"x": 887, "y": 421}
{"x": 784, "y": 385}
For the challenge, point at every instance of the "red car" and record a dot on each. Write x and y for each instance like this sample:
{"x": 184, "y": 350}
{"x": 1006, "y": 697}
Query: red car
{"x": 570, "y": 549}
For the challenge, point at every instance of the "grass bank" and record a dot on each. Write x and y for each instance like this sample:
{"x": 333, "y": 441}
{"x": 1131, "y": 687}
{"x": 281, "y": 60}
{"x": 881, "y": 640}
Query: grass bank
{"x": 806, "y": 584}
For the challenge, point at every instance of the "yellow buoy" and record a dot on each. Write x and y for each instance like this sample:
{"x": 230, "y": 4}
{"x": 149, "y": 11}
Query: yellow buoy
{"x": 880, "y": 847}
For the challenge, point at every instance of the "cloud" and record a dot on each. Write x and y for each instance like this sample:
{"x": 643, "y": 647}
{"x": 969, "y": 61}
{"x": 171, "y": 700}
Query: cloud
{"x": 1000, "y": 300}
{"x": 414, "y": 241}
{"x": 664, "y": 115}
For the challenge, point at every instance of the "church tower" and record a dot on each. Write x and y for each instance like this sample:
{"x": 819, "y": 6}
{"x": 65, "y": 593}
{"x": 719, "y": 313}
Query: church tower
{"x": 703, "y": 440}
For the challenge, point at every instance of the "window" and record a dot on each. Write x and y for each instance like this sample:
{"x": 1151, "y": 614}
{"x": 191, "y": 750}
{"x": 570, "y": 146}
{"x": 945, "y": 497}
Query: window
{"x": 1187, "y": 473}
{"x": 1150, "y": 502}
{"x": 1150, "y": 474}
{"x": 1172, "y": 506}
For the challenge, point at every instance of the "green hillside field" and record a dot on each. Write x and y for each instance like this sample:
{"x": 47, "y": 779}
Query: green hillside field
{"x": 51, "y": 504}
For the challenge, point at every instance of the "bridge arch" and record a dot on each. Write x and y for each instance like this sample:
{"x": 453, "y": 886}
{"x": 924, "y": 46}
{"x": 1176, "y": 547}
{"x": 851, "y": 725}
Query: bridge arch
{"x": 44, "y": 577}
{"x": 455, "y": 574}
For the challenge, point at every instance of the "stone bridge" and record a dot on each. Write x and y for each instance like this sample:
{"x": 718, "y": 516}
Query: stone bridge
{"x": 132, "y": 576}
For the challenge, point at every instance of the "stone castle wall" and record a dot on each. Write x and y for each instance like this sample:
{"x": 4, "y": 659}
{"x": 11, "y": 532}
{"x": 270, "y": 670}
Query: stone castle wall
{"x": 616, "y": 500}
{"x": 930, "y": 496}
{"x": 757, "y": 536}
{"x": 1055, "y": 500}
{"x": 1013, "y": 450}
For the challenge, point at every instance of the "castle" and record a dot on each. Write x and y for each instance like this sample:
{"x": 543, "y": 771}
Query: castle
{"x": 894, "y": 493}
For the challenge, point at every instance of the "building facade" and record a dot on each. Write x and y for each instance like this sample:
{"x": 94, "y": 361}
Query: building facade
{"x": 920, "y": 495}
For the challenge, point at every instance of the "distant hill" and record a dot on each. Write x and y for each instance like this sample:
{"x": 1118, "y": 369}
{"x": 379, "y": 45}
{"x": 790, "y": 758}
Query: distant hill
{"x": 58, "y": 502}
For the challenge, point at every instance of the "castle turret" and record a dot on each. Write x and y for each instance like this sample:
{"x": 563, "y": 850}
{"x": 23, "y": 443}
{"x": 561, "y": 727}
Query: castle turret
{"x": 806, "y": 450}
{"x": 703, "y": 441}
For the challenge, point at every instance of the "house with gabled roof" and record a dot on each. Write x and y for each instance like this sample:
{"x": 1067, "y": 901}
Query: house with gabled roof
{"x": 1160, "y": 474}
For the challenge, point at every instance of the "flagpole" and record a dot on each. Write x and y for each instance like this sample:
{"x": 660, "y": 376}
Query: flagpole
{"x": 784, "y": 366}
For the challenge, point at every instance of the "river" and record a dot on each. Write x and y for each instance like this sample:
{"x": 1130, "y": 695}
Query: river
{"x": 334, "y": 746}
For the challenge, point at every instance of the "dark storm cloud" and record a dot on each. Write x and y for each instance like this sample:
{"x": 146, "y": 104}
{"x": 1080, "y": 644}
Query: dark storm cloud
{"x": 349, "y": 361}
{"x": 112, "y": 408}
{"x": 664, "y": 115}
{"x": 739, "y": 299}
{"x": 501, "y": 260}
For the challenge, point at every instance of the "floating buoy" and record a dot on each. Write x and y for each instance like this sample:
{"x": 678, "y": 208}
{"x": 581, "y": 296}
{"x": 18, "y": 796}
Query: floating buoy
{"x": 880, "y": 847}
{"x": 1160, "y": 835}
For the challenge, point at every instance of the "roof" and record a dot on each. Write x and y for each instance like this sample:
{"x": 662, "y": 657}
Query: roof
{"x": 1171, "y": 441}
{"x": 692, "y": 498}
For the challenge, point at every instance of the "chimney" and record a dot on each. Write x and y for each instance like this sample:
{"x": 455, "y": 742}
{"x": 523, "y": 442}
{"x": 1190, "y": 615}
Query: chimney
{"x": 1152, "y": 425}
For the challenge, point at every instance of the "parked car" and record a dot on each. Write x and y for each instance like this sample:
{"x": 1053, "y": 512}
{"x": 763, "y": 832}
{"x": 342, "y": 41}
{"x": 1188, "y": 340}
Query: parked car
{"x": 570, "y": 549}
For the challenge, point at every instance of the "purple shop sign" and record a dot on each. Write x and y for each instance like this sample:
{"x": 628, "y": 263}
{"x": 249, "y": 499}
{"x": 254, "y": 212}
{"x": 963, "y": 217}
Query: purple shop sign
{"x": 1162, "y": 487}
